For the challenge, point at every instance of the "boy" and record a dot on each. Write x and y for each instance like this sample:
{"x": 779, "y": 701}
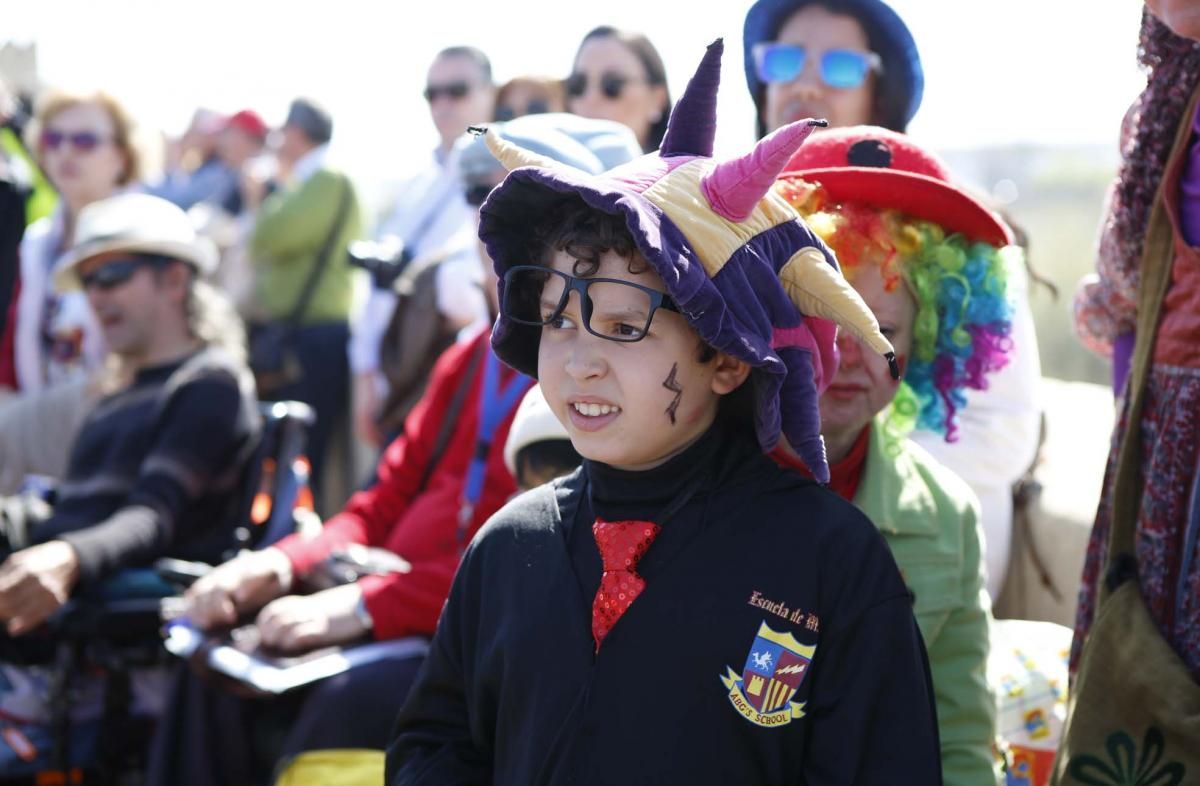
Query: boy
{"x": 653, "y": 617}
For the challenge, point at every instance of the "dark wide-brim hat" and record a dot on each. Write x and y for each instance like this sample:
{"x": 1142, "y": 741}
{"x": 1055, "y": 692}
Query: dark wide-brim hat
{"x": 873, "y": 166}
{"x": 889, "y": 37}
{"x": 747, "y": 274}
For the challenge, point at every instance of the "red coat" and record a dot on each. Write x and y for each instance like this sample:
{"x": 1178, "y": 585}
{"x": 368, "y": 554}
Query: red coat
{"x": 420, "y": 525}
{"x": 8, "y": 344}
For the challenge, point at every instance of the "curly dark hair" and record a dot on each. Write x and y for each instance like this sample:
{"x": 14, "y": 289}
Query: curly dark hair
{"x": 1172, "y": 65}
{"x": 586, "y": 234}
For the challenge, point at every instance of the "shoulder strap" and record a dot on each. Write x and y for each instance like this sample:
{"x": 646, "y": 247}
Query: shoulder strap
{"x": 450, "y": 418}
{"x": 310, "y": 284}
{"x": 1158, "y": 255}
{"x": 449, "y": 188}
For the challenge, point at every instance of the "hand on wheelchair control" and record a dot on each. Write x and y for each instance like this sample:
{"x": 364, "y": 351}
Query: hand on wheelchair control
{"x": 299, "y": 623}
{"x": 243, "y": 584}
{"x": 34, "y": 583}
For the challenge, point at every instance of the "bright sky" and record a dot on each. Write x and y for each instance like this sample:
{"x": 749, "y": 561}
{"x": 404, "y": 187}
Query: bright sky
{"x": 997, "y": 71}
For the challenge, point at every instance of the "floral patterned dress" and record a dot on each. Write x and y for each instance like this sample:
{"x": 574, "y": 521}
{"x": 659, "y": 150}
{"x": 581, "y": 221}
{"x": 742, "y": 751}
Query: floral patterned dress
{"x": 1167, "y": 533}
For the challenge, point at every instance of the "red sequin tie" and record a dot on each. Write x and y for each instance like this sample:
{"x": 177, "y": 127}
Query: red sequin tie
{"x": 622, "y": 544}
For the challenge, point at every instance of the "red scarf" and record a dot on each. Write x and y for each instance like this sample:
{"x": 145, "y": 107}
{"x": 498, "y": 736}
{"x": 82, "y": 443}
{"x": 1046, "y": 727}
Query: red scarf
{"x": 844, "y": 476}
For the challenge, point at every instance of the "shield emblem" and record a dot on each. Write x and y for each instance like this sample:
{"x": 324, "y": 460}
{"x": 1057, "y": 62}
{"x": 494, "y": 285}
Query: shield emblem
{"x": 775, "y": 667}
{"x": 774, "y": 670}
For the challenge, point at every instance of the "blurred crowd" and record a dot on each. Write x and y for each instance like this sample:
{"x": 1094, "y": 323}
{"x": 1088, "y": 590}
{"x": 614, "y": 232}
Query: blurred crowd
{"x": 145, "y": 321}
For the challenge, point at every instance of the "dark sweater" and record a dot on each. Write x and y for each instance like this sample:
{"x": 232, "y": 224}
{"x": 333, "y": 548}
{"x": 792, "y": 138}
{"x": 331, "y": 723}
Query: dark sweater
{"x": 154, "y": 467}
{"x": 514, "y": 693}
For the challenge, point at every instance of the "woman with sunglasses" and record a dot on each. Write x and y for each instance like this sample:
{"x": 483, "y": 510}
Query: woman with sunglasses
{"x": 83, "y": 145}
{"x": 619, "y": 75}
{"x": 852, "y": 62}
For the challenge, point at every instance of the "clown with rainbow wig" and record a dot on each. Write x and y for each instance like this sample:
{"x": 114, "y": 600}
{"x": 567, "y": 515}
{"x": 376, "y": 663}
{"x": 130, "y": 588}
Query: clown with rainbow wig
{"x": 930, "y": 261}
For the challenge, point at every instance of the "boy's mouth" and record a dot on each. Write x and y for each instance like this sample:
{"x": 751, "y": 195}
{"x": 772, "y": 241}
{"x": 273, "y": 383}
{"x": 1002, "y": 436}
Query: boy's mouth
{"x": 591, "y": 415}
{"x": 592, "y": 410}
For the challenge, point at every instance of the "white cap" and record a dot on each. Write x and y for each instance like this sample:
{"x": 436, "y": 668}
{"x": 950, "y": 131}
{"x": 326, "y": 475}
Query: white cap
{"x": 139, "y": 224}
{"x": 534, "y": 422}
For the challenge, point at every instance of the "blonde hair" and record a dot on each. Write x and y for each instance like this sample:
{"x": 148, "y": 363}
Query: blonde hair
{"x": 56, "y": 101}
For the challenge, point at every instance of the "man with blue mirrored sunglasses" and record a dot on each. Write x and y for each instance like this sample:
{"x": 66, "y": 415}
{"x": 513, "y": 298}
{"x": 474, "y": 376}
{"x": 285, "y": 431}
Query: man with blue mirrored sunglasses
{"x": 851, "y": 62}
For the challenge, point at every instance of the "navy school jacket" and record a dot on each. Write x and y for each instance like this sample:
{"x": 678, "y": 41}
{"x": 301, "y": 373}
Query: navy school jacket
{"x": 779, "y": 647}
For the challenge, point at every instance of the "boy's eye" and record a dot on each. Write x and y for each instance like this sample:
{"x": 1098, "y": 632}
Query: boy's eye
{"x": 626, "y": 330}
{"x": 559, "y": 322}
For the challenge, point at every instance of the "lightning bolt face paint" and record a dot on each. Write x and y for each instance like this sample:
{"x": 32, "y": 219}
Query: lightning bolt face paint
{"x": 671, "y": 384}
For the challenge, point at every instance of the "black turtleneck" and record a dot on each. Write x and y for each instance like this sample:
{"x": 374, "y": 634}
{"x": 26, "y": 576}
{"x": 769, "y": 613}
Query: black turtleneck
{"x": 756, "y": 552}
{"x": 622, "y": 495}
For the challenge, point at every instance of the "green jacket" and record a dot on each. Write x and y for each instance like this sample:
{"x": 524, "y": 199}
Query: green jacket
{"x": 42, "y": 197}
{"x": 930, "y": 519}
{"x": 291, "y": 228}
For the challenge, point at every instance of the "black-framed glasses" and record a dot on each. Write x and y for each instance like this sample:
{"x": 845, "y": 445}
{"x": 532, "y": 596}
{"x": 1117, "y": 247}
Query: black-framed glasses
{"x": 455, "y": 90}
{"x": 611, "y": 308}
{"x": 611, "y": 85}
{"x": 116, "y": 272}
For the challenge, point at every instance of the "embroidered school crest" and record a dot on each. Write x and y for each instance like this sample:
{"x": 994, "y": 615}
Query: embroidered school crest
{"x": 774, "y": 669}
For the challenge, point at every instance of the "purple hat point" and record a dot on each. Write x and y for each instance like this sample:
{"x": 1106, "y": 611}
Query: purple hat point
{"x": 693, "y": 123}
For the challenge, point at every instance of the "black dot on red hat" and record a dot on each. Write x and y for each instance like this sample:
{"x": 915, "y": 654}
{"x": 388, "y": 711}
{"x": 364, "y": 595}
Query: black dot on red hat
{"x": 869, "y": 152}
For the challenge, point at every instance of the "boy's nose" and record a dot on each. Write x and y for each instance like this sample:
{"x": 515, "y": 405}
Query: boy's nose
{"x": 585, "y": 361}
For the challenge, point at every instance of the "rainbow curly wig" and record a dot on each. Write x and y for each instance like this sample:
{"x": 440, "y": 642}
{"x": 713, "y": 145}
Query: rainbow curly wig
{"x": 963, "y": 318}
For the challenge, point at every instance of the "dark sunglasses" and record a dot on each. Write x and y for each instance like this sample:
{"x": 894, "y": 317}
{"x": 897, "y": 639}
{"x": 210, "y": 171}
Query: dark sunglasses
{"x": 476, "y": 194}
{"x": 455, "y": 90}
{"x": 118, "y": 271}
{"x": 83, "y": 141}
{"x": 612, "y": 308}
{"x": 536, "y": 106}
{"x": 840, "y": 68}
{"x": 612, "y": 85}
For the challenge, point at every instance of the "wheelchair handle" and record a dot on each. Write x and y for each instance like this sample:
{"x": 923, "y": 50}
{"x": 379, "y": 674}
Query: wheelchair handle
{"x": 181, "y": 572}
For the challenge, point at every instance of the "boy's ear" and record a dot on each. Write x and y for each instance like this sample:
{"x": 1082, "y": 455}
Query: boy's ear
{"x": 729, "y": 374}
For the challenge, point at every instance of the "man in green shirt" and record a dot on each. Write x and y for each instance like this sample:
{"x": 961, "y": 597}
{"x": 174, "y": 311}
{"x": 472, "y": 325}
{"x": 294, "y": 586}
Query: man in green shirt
{"x": 298, "y": 249}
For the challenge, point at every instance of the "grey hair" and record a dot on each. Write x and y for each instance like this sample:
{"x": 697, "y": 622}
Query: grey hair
{"x": 212, "y": 318}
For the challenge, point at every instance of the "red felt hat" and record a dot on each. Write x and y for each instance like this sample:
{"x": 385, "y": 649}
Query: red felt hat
{"x": 249, "y": 122}
{"x": 880, "y": 168}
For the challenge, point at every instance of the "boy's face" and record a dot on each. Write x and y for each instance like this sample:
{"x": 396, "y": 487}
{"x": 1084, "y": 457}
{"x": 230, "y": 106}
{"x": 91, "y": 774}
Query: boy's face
{"x": 631, "y": 405}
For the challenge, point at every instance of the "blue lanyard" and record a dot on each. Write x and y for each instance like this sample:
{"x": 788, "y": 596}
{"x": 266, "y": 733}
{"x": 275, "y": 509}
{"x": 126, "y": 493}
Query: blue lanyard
{"x": 494, "y": 407}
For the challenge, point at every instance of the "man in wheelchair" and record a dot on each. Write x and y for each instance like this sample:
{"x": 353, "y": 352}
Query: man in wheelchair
{"x": 155, "y": 467}
{"x": 437, "y": 483}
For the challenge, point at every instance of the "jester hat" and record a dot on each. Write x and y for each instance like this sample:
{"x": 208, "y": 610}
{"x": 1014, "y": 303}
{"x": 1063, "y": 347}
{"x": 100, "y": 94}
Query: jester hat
{"x": 748, "y": 275}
